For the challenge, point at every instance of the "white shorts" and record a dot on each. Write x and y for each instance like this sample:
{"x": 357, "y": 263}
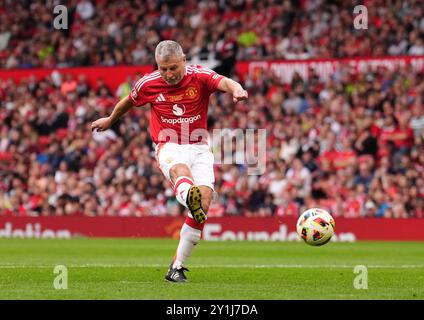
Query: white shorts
{"x": 198, "y": 157}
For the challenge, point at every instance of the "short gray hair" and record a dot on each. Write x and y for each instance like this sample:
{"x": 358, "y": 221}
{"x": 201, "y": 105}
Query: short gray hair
{"x": 168, "y": 48}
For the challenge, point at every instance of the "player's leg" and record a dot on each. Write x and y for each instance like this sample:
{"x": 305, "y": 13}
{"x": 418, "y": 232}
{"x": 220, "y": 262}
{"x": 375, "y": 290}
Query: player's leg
{"x": 191, "y": 230}
{"x": 187, "y": 192}
{"x": 174, "y": 161}
{"x": 182, "y": 180}
{"x": 184, "y": 183}
{"x": 203, "y": 175}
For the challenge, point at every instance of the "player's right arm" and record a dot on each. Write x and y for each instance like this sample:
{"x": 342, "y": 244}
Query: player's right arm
{"x": 120, "y": 109}
{"x": 136, "y": 98}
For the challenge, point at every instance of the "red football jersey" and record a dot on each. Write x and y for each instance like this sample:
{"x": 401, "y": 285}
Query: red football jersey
{"x": 178, "y": 112}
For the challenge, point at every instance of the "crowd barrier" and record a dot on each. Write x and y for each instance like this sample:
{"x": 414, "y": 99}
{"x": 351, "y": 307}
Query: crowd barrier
{"x": 283, "y": 70}
{"x": 216, "y": 229}
{"x": 324, "y": 68}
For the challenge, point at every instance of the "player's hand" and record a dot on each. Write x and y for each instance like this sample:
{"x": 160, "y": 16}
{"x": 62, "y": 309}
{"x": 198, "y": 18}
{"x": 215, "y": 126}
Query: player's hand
{"x": 101, "y": 124}
{"x": 239, "y": 95}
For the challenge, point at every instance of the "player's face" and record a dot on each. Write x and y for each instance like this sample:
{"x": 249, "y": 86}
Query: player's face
{"x": 172, "y": 69}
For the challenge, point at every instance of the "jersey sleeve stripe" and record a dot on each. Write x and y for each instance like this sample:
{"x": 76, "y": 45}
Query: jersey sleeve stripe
{"x": 206, "y": 70}
{"x": 147, "y": 76}
{"x": 145, "y": 79}
{"x": 208, "y": 73}
{"x": 200, "y": 70}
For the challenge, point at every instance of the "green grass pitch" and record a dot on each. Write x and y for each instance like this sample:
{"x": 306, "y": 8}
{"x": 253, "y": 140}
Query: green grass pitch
{"x": 135, "y": 269}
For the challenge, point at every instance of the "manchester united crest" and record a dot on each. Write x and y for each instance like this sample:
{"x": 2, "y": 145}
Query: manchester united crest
{"x": 191, "y": 92}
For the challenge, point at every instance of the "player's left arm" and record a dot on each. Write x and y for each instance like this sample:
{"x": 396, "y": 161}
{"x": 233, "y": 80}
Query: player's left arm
{"x": 233, "y": 87}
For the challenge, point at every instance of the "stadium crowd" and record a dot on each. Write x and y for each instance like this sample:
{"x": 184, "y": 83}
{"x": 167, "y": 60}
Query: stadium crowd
{"x": 353, "y": 145}
{"x": 126, "y": 32}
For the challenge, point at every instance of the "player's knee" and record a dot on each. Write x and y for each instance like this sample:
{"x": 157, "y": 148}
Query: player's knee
{"x": 179, "y": 170}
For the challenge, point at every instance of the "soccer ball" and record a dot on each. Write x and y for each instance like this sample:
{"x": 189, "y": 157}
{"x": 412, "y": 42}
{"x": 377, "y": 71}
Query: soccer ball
{"x": 315, "y": 226}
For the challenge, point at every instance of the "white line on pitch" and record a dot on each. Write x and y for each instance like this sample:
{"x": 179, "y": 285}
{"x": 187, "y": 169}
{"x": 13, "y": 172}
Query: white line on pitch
{"x": 229, "y": 266}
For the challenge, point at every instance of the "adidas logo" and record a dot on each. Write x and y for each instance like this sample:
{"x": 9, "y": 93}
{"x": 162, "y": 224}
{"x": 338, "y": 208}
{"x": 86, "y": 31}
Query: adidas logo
{"x": 160, "y": 98}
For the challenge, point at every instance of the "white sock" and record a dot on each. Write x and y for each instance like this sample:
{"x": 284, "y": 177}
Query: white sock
{"x": 189, "y": 237}
{"x": 181, "y": 187}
